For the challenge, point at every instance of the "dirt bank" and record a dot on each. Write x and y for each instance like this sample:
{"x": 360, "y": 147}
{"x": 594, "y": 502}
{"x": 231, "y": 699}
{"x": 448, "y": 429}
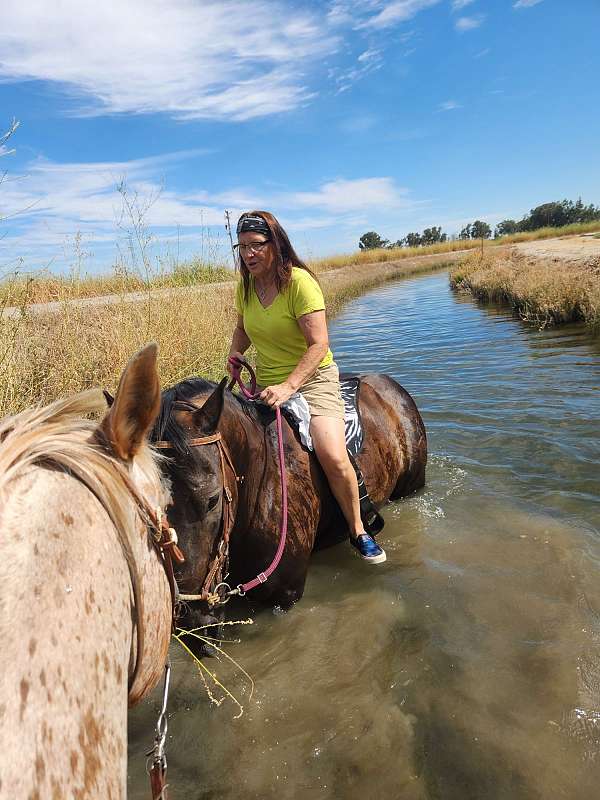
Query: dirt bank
{"x": 578, "y": 249}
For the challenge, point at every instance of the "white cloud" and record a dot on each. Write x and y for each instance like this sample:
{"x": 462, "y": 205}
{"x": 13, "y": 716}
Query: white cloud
{"x": 191, "y": 59}
{"x": 458, "y": 4}
{"x": 391, "y": 13}
{"x": 375, "y": 14}
{"x": 59, "y": 200}
{"x": 449, "y": 105}
{"x": 526, "y": 3}
{"x": 343, "y": 195}
{"x": 367, "y": 62}
{"x": 468, "y": 23}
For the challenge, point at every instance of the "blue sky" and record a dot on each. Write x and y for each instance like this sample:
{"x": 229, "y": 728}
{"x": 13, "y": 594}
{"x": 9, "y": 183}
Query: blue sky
{"x": 340, "y": 117}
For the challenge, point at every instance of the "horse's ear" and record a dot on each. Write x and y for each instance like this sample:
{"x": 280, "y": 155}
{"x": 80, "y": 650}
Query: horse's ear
{"x": 207, "y": 418}
{"x": 136, "y": 404}
{"x": 108, "y": 397}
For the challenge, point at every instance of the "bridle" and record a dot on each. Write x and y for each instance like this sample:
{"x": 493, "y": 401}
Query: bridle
{"x": 214, "y": 590}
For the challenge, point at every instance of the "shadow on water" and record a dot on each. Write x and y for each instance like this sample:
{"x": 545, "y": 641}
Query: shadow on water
{"x": 467, "y": 666}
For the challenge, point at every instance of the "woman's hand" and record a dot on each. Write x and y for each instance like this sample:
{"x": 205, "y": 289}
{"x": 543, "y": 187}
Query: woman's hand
{"x": 234, "y": 354}
{"x": 274, "y": 396}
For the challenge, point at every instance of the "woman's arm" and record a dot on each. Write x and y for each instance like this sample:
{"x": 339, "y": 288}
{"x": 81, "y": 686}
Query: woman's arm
{"x": 314, "y": 329}
{"x": 239, "y": 341}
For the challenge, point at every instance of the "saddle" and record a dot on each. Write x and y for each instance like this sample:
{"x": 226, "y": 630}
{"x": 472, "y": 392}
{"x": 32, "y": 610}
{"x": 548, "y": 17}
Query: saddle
{"x": 297, "y": 414}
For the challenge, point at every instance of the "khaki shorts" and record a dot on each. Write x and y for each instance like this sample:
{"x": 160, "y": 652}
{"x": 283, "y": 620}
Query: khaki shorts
{"x": 322, "y": 393}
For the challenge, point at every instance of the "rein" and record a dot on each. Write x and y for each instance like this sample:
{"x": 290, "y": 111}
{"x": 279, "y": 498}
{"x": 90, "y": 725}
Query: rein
{"x": 237, "y": 365}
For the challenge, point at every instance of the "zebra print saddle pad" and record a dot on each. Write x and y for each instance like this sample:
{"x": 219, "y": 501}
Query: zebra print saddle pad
{"x": 298, "y": 415}
{"x": 354, "y": 431}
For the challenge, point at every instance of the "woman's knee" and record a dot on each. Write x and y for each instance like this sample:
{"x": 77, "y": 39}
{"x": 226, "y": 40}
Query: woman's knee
{"x": 333, "y": 462}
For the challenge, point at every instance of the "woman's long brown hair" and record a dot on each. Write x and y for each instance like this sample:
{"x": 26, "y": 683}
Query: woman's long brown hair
{"x": 285, "y": 255}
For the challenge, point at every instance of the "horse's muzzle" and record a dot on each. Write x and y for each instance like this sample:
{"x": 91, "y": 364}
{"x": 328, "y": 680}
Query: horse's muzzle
{"x": 204, "y": 623}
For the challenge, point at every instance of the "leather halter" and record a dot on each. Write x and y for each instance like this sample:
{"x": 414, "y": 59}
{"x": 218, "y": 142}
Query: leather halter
{"x": 218, "y": 566}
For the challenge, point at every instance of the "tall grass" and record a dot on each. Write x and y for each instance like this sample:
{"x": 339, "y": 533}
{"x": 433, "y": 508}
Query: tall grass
{"x": 543, "y": 291}
{"x": 549, "y": 233}
{"x": 392, "y": 254}
{"x": 44, "y": 287}
{"x": 53, "y": 354}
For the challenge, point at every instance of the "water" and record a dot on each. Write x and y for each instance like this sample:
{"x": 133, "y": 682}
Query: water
{"x": 467, "y": 666}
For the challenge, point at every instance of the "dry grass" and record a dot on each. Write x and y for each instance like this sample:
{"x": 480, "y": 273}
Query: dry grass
{"x": 544, "y": 291}
{"x": 45, "y": 287}
{"x": 550, "y": 233}
{"x": 51, "y": 355}
{"x": 394, "y": 254}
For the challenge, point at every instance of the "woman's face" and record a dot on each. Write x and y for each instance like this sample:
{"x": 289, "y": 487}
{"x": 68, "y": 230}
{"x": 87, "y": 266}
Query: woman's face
{"x": 258, "y": 254}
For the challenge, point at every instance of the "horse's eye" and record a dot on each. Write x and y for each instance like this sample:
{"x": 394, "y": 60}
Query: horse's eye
{"x": 213, "y": 501}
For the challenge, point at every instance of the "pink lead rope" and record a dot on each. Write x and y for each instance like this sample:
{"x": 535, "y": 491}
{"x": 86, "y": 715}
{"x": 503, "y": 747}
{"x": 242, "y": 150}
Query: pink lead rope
{"x": 237, "y": 365}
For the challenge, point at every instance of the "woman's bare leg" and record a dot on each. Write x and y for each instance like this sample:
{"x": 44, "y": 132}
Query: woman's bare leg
{"x": 329, "y": 441}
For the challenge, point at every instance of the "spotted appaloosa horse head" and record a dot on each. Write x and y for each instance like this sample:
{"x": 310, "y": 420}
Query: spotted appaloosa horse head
{"x": 85, "y": 617}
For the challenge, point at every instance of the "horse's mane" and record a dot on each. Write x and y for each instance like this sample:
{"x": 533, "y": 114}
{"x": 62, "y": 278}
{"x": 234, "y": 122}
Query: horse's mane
{"x": 58, "y": 437}
{"x": 166, "y": 427}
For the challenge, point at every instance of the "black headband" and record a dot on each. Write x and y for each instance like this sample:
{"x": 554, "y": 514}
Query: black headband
{"x": 247, "y": 223}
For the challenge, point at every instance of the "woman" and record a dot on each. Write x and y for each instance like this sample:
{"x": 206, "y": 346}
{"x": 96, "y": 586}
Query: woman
{"x": 281, "y": 312}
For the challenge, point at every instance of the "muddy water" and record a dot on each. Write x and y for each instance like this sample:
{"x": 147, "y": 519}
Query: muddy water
{"x": 467, "y": 666}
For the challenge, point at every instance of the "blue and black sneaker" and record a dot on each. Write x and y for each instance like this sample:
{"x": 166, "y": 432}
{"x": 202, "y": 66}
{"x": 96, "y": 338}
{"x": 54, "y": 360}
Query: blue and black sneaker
{"x": 368, "y": 548}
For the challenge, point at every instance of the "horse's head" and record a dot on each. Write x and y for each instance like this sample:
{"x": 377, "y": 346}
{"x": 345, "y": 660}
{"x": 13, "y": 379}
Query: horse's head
{"x": 200, "y": 480}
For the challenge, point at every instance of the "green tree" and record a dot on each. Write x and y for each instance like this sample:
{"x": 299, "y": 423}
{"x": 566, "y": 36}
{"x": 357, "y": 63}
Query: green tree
{"x": 372, "y": 241}
{"x": 506, "y": 227}
{"x": 480, "y": 230}
{"x": 413, "y": 240}
{"x": 559, "y": 213}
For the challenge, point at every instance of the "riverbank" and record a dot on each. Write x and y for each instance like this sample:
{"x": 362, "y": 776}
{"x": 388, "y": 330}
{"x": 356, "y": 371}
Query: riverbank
{"x": 48, "y": 354}
{"x": 23, "y": 288}
{"x": 548, "y": 283}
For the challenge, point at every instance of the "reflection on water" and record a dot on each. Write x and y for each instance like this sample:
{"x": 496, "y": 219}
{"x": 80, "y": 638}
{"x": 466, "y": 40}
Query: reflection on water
{"x": 468, "y": 665}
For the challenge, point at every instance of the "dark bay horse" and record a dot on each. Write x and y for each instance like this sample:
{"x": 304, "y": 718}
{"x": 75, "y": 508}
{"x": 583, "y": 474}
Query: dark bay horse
{"x": 237, "y": 483}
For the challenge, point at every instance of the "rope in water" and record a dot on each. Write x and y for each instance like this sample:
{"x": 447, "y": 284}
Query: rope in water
{"x": 237, "y": 365}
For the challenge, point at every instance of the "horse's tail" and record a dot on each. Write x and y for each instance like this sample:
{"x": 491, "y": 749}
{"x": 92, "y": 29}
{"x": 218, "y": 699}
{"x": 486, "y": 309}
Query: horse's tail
{"x": 404, "y": 406}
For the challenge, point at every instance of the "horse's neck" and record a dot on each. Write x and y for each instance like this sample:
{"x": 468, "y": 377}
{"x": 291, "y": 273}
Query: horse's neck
{"x": 66, "y": 631}
{"x": 245, "y": 439}
{"x": 238, "y": 432}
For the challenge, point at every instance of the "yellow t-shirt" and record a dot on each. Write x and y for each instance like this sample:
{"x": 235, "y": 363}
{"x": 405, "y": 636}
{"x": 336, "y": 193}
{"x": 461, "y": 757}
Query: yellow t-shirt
{"x": 274, "y": 331}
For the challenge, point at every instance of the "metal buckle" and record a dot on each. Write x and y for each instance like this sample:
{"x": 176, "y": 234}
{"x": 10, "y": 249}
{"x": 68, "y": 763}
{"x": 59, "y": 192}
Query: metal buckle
{"x": 218, "y": 598}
